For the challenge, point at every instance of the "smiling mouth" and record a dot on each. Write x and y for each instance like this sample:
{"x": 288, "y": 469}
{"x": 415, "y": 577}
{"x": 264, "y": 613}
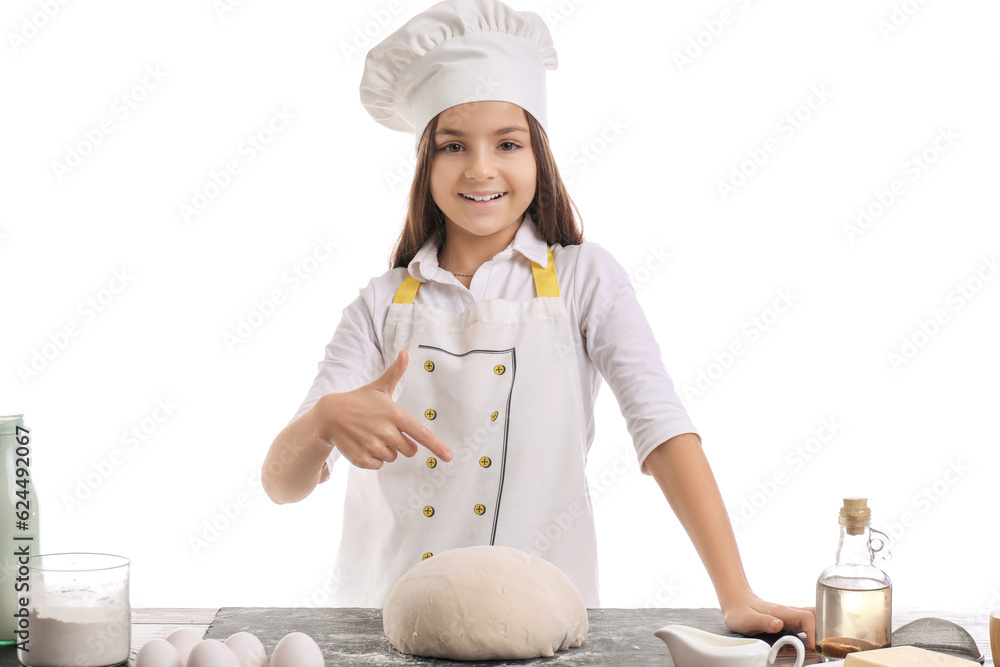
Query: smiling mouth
{"x": 484, "y": 197}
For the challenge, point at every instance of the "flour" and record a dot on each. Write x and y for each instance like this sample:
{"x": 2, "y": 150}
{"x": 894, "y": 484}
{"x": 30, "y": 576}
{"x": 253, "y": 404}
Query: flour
{"x": 95, "y": 636}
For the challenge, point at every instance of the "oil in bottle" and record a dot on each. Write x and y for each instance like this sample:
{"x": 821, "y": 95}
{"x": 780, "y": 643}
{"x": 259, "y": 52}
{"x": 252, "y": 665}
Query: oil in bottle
{"x": 854, "y": 596}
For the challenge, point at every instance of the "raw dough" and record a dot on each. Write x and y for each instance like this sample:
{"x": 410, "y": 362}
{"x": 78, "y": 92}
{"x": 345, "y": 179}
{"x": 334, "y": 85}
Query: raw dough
{"x": 484, "y": 603}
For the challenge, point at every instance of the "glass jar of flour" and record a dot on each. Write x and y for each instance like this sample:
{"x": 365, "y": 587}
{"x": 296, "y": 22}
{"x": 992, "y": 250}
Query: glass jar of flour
{"x": 79, "y": 612}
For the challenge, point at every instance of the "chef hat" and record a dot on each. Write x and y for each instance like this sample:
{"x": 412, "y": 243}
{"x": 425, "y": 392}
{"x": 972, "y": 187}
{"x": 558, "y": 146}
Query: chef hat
{"x": 455, "y": 52}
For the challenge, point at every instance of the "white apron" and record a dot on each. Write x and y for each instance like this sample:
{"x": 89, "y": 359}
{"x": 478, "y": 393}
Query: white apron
{"x": 498, "y": 383}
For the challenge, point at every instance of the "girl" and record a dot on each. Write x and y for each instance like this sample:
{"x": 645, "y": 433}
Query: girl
{"x": 477, "y": 357}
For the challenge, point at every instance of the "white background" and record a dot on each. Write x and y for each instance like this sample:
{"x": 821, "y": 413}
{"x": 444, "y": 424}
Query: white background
{"x": 644, "y": 139}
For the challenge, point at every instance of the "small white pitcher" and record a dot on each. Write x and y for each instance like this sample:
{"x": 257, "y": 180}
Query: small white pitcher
{"x": 691, "y": 647}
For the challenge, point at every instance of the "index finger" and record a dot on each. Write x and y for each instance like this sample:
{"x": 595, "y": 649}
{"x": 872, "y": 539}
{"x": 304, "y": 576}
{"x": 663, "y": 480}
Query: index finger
{"x": 422, "y": 435}
{"x": 802, "y": 618}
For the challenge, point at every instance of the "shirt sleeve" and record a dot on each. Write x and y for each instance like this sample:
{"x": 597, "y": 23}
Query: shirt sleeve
{"x": 352, "y": 359}
{"x": 621, "y": 345}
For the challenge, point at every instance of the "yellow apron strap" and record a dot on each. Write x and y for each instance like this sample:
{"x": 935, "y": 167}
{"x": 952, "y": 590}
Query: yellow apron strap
{"x": 407, "y": 290}
{"x": 546, "y": 283}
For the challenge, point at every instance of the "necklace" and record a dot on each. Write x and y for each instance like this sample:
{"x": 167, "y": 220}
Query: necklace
{"x": 460, "y": 275}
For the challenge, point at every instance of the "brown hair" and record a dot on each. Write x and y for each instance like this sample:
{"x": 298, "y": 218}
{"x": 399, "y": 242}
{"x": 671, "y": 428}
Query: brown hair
{"x": 554, "y": 213}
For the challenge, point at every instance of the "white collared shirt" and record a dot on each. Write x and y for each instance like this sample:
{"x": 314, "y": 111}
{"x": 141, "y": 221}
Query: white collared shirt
{"x": 613, "y": 338}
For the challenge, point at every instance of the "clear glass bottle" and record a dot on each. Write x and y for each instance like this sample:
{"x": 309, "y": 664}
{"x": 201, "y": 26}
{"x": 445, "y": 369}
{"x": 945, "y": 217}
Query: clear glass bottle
{"x": 18, "y": 521}
{"x": 854, "y": 596}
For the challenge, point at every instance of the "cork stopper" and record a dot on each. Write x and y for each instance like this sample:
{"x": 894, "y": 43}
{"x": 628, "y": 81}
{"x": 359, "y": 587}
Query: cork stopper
{"x": 855, "y": 515}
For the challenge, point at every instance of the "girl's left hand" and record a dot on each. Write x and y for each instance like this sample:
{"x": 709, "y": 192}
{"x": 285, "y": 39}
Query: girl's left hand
{"x": 749, "y": 615}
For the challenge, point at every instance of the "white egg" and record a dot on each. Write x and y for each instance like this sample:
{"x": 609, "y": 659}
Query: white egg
{"x": 184, "y": 640}
{"x": 297, "y": 650}
{"x": 248, "y": 649}
{"x": 212, "y": 653}
{"x": 158, "y": 653}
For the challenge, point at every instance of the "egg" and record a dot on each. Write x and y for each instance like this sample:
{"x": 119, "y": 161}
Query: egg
{"x": 184, "y": 640}
{"x": 212, "y": 653}
{"x": 296, "y": 650}
{"x": 248, "y": 649}
{"x": 158, "y": 653}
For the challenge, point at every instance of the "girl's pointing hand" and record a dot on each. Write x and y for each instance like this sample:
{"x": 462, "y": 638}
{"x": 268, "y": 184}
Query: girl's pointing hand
{"x": 369, "y": 428}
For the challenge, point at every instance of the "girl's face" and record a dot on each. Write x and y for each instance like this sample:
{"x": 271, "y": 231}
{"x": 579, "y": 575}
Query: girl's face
{"x": 483, "y": 169}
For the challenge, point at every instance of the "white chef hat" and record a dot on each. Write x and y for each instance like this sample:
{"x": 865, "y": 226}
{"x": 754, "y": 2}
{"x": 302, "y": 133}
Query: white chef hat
{"x": 455, "y": 52}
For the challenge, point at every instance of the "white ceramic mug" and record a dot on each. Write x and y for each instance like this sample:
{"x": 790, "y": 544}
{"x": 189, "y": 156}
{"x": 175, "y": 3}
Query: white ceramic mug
{"x": 691, "y": 647}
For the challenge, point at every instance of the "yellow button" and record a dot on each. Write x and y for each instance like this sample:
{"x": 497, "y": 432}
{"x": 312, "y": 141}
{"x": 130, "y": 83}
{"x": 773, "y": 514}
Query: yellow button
{"x": 485, "y": 462}
{"x": 493, "y": 417}
{"x": 428, "y": 366}
{"x": 428, "y": 510}
{"x": 480, "y": 509}
{"x": 427, "y": 555}
{"x": 498, "y": 369}
{"x": 430, "y": 414}
{"x": 432, "y": 462}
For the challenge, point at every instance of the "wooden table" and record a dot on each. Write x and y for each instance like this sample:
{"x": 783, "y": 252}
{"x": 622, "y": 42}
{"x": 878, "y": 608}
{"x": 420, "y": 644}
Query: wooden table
{"x": 158, "y": 623}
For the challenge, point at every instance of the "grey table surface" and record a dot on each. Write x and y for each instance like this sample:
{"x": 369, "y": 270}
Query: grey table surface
{"x": 354, "y": 636}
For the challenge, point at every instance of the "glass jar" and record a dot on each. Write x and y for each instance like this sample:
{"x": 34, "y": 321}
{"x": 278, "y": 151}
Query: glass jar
{"x": 78, "y": 612}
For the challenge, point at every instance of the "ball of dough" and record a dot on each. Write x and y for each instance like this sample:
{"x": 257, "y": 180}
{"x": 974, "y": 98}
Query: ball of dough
{"x": 484, "y": 603}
